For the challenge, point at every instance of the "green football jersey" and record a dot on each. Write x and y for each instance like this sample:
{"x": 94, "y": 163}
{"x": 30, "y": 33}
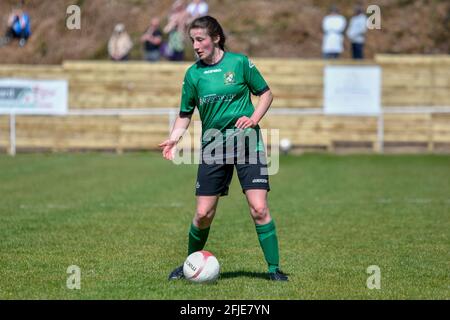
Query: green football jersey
{"x": 221, "y": 92}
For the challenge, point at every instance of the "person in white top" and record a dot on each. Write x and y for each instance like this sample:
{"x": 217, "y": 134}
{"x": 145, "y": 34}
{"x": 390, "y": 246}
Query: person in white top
{"x": 197, "y": 8}
{"x": 120, "y": 44}
{"x": 356, "y": 33}
{"x": 333, "y": 26}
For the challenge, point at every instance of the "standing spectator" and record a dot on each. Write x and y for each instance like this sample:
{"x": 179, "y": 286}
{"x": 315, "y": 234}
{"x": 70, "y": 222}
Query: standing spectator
{"x": 152, "y": 40}
{"x": 176, "y": 29}
{"x": 356, "y": 33}
{"x": 333, "y": 26}
{"x": 197, "y": 8}
{"x": 120, "y": 44}
{"x": 19, "y": 27}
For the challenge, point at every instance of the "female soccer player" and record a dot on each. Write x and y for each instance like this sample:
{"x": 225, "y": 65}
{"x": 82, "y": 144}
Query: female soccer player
{"x": 219, "y": 85}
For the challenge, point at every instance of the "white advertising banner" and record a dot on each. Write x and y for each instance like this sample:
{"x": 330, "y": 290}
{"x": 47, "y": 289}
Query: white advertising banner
{"x": 21, "y": 96}
{"x": 352, "y": 90}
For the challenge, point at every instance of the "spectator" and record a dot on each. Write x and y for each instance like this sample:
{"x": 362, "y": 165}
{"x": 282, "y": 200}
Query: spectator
{"x": 120, "y": 44}
{"x": 19, "y": 27}
{"x": 333, "y": 26}
{"x": 152, "y": 40}
{"x": 197, "y": 8}
{"x": 176, "y": 29}
{"x": 356, "y": 33}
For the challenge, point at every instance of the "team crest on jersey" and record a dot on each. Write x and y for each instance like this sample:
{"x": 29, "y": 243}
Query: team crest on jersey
{"x": 229, "y": 78}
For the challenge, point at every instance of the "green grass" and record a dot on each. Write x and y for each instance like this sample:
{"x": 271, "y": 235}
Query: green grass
{"x": 124, "y": 221}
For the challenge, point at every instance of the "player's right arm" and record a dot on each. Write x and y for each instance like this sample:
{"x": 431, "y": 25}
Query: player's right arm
{"x": 179, "y": 128}
{"x": 188, "y": 103}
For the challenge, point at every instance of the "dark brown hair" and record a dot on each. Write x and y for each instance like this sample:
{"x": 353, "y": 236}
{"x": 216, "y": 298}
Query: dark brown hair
{"x": 212, "y": 26}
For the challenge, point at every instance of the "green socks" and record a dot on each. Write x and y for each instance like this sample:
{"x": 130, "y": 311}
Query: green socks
{"x": 197, "y": 239}
{"x": 267, "y": 236}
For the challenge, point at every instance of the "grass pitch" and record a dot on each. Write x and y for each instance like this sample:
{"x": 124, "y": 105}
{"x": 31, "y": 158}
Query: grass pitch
{"x": 124, "y": 221}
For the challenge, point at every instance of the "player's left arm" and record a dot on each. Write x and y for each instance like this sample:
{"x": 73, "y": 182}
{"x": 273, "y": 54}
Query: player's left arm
{"x": 264, "y": 102}
{"x": 258, "y": 86}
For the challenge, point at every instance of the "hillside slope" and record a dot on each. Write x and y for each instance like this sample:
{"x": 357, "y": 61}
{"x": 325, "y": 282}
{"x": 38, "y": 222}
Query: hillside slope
{"x": 259, "y": 28}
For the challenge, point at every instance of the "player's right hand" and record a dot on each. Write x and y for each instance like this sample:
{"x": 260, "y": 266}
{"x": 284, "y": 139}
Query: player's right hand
{"x": 168, "y": 149}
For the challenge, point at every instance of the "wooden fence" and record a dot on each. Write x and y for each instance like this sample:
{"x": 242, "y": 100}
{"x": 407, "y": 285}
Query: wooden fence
{"x": 415, "y": 97}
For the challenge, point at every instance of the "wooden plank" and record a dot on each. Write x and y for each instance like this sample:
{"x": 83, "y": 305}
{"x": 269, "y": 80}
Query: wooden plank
{"x": 429, "y": 95}
{"x": 305, "y": 93}
{"x": 88, "y": 143}
{"x": 441, "y": 137}
{"x": 146, "y": 125}
{"x": 443, "y": 127}
{"x": 142, "y": 140}
{"x": 4, "y": 122}
{"x": 352, "y": 127}
{"x": 412, "y": 59}
{"x": 32, "y": 72}
{"x": 296, "y": 63}
{"x": 408, "y": 93}
{"x": 275, "y": 79}
{"x": 352, "y": 136}
{"x": 114, "y": 77}
{"x": 34, "y": 142}
{"x": 119, "y": 86}
{"x": 271, "y": 121}
{"x": 408, "y": 117}
{"x": 311, "y": 141}
{"x": 305, "y": 138}
{"x": 144, "y": 118}
{"x": 4, "y": 132}
{"x": 59, "y": 126}
{"x": 441, "y": 96}
{"x": 84, "y": 132}
{"x": 306, "y": 63}
{"x": 290, "y": 70}
{"x": 123, "y": 101}
{"x": 441, "y": 117}
{"x": 440, "y": 127}
{"x": 407, "y": 128}
{"x": 130, "y": 66}
{"x": 399, "y": 99}
{"x": 406, "y": 137}
{"x": 30, "y": 69}
{"x": 144, "y": 129}
{"x": 441, "y": 80}
{"x": 409, "y": 80}
{"x": 296, "y": 103}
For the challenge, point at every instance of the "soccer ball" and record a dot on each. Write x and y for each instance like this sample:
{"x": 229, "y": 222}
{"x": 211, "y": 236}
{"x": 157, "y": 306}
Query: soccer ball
{"x": 201, "y": 266}
{"x": 285, "y": 145}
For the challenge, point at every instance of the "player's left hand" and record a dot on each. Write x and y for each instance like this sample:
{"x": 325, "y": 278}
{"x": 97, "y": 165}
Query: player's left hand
{"x": 244, "y": 123}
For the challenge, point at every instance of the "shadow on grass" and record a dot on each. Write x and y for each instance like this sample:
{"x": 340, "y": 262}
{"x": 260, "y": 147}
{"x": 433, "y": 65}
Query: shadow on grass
{"x": 240, "y": 274}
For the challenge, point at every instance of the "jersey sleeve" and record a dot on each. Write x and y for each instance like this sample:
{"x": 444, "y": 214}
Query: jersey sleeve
{"x": 188, "y": 97}
{"x": 253, "y": 77}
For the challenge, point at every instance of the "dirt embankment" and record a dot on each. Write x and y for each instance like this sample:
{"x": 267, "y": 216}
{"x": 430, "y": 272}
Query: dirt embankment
{"x": 260, "y": 28}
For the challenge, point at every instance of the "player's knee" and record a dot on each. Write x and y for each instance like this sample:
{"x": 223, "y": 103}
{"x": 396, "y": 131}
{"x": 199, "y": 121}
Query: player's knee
{"x": 260, "y": 212}
{"x": 204, "y": 216}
